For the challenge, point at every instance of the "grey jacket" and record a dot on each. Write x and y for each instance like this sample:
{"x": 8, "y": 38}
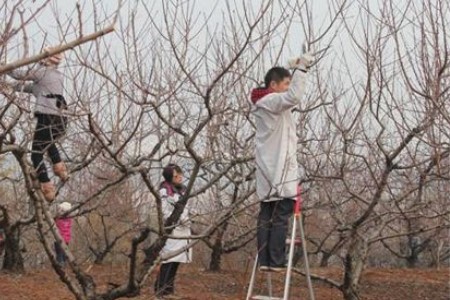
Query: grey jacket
{"x": 276, "y": 142}
{"x": 46, "y": 80}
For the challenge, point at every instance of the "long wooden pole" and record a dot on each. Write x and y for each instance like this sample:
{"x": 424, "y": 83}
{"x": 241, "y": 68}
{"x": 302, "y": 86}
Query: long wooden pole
{"x": 38, "y": 57}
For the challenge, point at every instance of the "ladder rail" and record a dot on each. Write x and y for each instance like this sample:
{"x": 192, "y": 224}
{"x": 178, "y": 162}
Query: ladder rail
{"x": 269, "y": 284}
{"x": 296, "y": 225}
{"x": 305, "y": 256}
{"x": 287, "y": 282}
{"x": 252, "y": 279}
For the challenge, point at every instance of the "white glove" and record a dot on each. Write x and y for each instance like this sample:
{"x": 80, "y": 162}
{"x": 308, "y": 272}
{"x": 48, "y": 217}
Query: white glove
{"x": 303, "y": 63}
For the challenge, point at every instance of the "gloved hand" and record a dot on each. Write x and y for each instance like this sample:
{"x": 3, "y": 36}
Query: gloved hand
{"x": 302, "y": 63}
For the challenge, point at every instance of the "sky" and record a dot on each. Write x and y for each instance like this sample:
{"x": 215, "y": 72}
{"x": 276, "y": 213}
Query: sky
{"x": 45, "y": 30}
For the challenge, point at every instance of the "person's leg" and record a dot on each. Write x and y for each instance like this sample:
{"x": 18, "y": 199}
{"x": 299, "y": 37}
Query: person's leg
{"x": 263, "y": 233}
{"x": 59, "y": 254}
{"x": 283, "y": 210}
{"x": 41, "y": 141}
{"x": 58, "y": 130}
{"x": 64, "y": 257}
{"x": 172, "y": 274}
{"x": 162, "y": 279}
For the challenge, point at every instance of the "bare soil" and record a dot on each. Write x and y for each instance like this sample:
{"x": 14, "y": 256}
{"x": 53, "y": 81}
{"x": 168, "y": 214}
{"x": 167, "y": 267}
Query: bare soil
{"x": 193, "y": 283}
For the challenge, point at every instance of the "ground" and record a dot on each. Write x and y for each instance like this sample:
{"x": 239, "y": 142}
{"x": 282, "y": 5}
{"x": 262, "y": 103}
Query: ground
{"x": 377, "y": 284}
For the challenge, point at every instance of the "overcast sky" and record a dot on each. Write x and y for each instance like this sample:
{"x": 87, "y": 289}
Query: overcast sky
{"x": 46, "y": 28}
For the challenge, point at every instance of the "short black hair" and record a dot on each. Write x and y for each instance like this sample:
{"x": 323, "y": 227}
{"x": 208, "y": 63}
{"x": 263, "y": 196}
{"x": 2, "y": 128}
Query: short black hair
{"x": 276, "y": 74}
{"x": 168, "y": 171}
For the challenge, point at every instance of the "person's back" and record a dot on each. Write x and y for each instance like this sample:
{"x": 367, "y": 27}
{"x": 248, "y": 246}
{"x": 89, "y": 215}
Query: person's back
{"x": 64, "y": 226}
{"x": 276, "y": 158}
{"x": 47, "y": 81}
{"x": 276, "y": 139}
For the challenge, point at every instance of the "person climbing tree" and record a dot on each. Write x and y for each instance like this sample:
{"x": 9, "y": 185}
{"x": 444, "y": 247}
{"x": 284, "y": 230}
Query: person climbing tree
{"x": 64, "y": 225}
{"x": 47, "y": 85}
{"x": 171, "y": 189}
{"x": 276, "y": 157}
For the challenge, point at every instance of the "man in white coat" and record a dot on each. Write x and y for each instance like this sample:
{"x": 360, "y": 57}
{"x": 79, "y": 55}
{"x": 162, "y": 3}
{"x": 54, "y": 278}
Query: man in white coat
{"x": 276, "y": 157}
{"x": 170, "y": 191}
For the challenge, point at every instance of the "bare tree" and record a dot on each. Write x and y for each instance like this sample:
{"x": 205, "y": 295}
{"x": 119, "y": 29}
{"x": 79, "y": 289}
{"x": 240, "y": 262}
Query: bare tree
{"x": 170, "y": 85}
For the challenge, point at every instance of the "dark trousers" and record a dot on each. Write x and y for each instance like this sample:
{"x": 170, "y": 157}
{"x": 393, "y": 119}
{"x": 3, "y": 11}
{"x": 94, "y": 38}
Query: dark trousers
{"x": 165, "y": 283}
{"x": 272, "y": 232}
{"x": 60, "y": 256}
{"x": 49, "y": 129}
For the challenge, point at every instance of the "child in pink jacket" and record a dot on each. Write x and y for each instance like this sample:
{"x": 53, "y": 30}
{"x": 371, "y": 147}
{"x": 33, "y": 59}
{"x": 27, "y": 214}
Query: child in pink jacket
{"x": 64, "y": 225}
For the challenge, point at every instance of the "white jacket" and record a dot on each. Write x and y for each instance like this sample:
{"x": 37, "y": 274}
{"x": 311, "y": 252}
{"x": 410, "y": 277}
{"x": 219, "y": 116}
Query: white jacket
{"x": 276, "y": 142}
{"x": 183, "y": 229}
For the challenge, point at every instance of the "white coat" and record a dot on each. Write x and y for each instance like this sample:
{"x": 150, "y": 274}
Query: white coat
{"x": 183, "y": 229}
{"x": 276, "y": 142}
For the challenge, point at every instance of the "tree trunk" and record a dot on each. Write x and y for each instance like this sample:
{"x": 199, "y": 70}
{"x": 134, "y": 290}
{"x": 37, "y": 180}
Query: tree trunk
{"x": 100, "y": 254}
{"x": 13, "y": 260}
{"x": 354, "y": 265}
{"x": 216, "y": 258}
{"x": 324, "y": 259}
{"x": 412, "y": 259}
{"x": 217, "y": 249}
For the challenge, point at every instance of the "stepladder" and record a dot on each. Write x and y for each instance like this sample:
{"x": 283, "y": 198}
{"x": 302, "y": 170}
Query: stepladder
{"x": 296, "y": 239}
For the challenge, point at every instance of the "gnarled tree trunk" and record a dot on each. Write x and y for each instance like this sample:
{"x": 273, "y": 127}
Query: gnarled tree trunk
{"x": 13, "y": 260}
{"x": 217, "y": 249}
{"x": 354, "y": 265}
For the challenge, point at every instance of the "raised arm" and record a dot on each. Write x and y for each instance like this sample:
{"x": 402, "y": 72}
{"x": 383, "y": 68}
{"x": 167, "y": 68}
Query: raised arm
{"x": 23, "y": 87}
{"x": 279, "y": 102}
{"x": 30, "y": 75}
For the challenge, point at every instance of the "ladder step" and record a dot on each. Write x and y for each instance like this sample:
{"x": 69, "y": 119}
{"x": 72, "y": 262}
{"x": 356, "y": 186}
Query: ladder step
{"x": 297, "y": 241}
{"x": 259, "y": 297}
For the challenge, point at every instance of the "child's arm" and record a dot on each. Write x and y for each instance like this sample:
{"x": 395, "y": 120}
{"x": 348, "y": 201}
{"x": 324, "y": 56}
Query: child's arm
{"x": 30, "y": 75}
{"x": 23, "y": 87}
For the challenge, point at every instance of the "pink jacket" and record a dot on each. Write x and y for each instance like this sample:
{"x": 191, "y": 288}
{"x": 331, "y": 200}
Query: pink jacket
{"x": 64, "y": 226}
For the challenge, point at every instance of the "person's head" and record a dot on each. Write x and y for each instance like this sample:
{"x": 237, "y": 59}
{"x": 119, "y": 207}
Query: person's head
{"x": 53, "y": 60}
{"x": 64, "y": 207}
{"x": 278, "y": 79}
{"x": 172, "y": 173}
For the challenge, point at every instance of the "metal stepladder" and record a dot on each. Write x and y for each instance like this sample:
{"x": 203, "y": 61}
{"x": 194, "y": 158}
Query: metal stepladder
{"x": 296, "y": 224}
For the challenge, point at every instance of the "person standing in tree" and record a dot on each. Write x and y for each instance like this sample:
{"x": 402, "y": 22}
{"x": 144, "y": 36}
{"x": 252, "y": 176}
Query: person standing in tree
{"x": 171, "y": 190}
{"x": 47, "y": 85}
{"x": 276, "y": 157}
